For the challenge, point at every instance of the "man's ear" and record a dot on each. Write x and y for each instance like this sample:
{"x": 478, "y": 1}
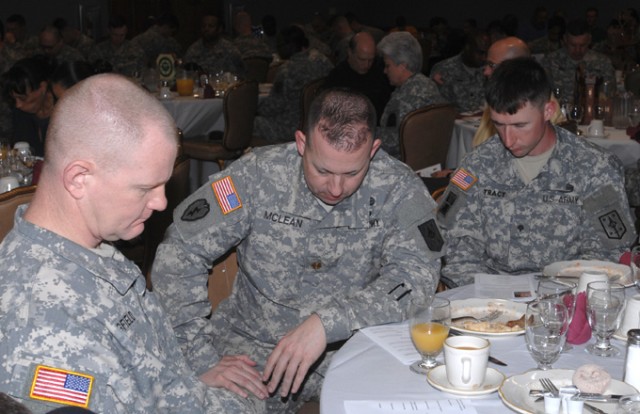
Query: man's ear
{"x": 550, "y": 109}
{"x": 301, "y": 142}
{"x": 375, "y": 147}
{"x": 75, "y": 176}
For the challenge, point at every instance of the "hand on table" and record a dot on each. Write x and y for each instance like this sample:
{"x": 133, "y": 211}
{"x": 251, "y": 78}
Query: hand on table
{"x": 294, "y": 354}
{"x": 236, "y": 373}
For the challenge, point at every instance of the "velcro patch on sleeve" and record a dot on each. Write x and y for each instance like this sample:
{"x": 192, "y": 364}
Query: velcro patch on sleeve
{"x": 463, "y": 179}
{"x": 61, "y": 386}
{"x": 431, "y": 235}
{"x": 226, "y": 194}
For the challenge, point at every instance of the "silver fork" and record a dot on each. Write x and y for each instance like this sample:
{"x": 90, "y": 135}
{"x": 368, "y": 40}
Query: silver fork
{"x": 494, "y": 314}
{"x": 549, "y": 386}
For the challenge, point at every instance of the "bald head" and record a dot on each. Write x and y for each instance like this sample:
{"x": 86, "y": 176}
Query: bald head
{"x": 504, "y": 49}
{"x": 103, "y": 119}
{"x": 362, "y": 52}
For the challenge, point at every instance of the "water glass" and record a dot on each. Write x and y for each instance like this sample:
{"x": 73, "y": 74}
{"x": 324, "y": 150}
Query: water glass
{"x": 429, "y": 322}
{"x": 546, "y": 324}
{"x": 605, "y": 302}
{"x": 561, "y": 292}
{"x": 629, "y": 404}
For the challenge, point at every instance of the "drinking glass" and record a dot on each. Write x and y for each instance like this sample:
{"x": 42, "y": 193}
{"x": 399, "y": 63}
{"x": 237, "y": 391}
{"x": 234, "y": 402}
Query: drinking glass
{"x": 545, "y": 325}
{"x": 429, "y": 327}
{"x": 634, "y": 113}
{"x": 605, "y": 301}
{"x": 628, "y": 404}
{"x": 562, "y": 292}
{"x": 575, "y": 113}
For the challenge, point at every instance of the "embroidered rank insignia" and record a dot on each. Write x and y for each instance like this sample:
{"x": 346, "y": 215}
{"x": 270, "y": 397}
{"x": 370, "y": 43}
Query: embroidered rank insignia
{"x": 463, "y": 179}
{"x": 61, "y": 386}
{"x": 196, "y": 210}
{"x": 613, "y": 225}
{"x": 226, "y": 195}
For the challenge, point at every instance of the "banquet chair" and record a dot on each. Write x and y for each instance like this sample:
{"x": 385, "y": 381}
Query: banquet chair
{"x": 425, "y": 135}
{"x": 239, "y": 109}
{"x": 273, "y": 71}
{"x": 9, "y": 203}
{"x": 257, "y": 68}
{"x": 309, "y": 91}
{"x": 632, "y": 82}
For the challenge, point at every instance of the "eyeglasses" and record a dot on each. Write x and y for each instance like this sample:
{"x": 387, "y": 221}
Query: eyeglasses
{"x": 490, "y": 65}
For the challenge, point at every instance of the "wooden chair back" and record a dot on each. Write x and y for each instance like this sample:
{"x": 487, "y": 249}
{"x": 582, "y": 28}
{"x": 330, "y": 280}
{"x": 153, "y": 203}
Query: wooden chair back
{"x": 9, "y": 203}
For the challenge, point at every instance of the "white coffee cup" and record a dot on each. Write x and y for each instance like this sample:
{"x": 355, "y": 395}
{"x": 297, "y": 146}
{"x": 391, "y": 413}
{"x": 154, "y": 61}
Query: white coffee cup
{"x": 8, "y": 183}
{"x": 465, "y": 359}
{"x": 631, "y": 318}
{"x": 596, "y": 128}
{"x": 588, "y": 277}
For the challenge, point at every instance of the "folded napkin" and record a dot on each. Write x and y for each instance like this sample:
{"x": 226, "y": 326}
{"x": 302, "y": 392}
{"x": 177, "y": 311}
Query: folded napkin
{"x": 579, "y": 330}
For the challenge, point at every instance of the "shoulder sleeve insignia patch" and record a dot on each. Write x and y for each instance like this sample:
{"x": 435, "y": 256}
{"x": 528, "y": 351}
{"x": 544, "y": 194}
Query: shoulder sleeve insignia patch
{"x": 613, "y": 225}
{"x": 196, "y": 210}
{"x": 463, "y": 179}
{"x": 61, "y": 386}
{"x": 226, "y": 194}
{"x": 431, "y": 235}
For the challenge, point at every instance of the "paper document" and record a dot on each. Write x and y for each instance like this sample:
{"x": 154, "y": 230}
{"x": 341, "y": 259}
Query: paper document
{"x": 511, "y": 287}
{"x": 427, "y": 171}
{"x": 395, "y": 339}
{"x": 413, "y": 407}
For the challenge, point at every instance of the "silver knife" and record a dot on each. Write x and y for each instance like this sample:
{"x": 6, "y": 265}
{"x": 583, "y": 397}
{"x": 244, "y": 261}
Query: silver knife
{"x": 584, "y": 396}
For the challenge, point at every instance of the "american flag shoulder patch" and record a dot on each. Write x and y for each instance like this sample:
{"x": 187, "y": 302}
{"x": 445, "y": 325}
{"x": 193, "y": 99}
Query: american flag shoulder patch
{"x": 226, "y": 194}
{"x": 463, "y": 179}
{"x": 61, "y": 386}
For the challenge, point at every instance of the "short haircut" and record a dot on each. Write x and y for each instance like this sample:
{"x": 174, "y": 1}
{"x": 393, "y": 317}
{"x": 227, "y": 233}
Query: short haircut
{"x": 577, "y": 27}
{"x": 102, "y": 119}
{"x": 516, "y": 82}
{"x": 344, "y": 117}
{"x": 402, "y": 48}
{"x": 291, "y": 40}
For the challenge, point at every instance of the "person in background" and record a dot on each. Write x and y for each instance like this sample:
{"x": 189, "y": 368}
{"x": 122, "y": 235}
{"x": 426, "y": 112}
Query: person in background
{"x": 212, "y": 52}
{"x": 246, "y": 41}
{"x": 552, "y": 41}
{"x": 534, "y": 193}
{"x": 561, "y": 64}
{"x": 279, "y": 113}
{"x": 159, "y": 38}
{"x": 21, "y": 43}
{"x": 402, "y": 56}
{"x": 598, "y": 34}
{"x": 72, "y": 306}
{"x": 459, "y": 78}
{"x": 124, "y": 56}
{"x": 25, "y": 88}
{"x": 73, "y": 37}
{"x": 53, "y": 46}
{"x": 362, "y": 71}
{"x": 332, "y": 235}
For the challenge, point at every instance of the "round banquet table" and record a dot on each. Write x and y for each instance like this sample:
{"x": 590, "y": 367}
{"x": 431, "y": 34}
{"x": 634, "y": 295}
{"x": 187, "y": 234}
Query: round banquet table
{"x": 362, "y": 370}
{"x": 196, "y": 116}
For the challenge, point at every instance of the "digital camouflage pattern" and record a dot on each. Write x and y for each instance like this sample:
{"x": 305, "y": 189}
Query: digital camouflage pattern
{"x": 414, "y": 93}
{"x": 576, "y": 208}
{"x": 354, "y": 265}
{"x": 461, "y": 85}
{"x": 224, "y": 56}
{"x": 279, "y": 112}
{"x": 250, "y": 46}
{"x": 562, "y": 69}
{"x": 153, "y": 43}
{"x": 68, "y": 54}
{"x": 126, "y": 59}
{"x": 88, "y": 311}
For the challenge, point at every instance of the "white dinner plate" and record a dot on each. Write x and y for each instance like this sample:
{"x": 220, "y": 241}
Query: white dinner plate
{"x": 514, "y": 391}
{"x": 437, "y": 377}
{"x": 574, "y": 268}
{"x": 481, "y": 307}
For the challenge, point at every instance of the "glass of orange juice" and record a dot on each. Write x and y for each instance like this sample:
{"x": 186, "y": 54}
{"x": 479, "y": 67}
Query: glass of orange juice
{"x": 429, "y": 321}
{"x": 185, "y": 83}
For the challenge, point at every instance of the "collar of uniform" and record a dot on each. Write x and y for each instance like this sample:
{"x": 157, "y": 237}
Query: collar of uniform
{"x": 114, "y": 269}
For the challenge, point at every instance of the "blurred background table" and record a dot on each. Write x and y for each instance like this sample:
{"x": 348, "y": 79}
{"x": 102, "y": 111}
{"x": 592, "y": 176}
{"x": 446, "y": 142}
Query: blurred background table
{"x": 196, "y": 116}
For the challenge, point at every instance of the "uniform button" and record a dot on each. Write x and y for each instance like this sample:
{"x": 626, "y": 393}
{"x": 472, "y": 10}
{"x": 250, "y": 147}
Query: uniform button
{"x": 520, "y": 227}
{"x": 316, "y": 265}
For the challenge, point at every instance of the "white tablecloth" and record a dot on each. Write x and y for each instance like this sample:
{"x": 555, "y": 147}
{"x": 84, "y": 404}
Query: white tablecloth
{"x": 617, "y": 142}
{"x": 361, "y": 370}
{"x": 196, "y": 116}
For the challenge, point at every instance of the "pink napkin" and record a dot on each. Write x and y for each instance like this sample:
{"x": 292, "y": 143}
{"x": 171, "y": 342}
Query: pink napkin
{"x": 579, "y": 330}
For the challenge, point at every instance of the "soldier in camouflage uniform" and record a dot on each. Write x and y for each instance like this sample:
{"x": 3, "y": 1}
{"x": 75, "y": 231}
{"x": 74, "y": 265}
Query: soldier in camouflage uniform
{"x": 212, "y": 52}
{"x": 460, "y": 77}
{"x": 279, "y": 113}
{"x": 245, "y": 41}
{"x": 75, "y": 310}
{"x": 403, "y": 62}
{"x": 53, "y": 46}
{"x": 331, "y": 236}
{"x": 124, "y": 56}
{"x": 18, "y": 41}
{"x": 159, "y": 39}
{"x": 561, "y": 65}
{"x": 533, "y": 194}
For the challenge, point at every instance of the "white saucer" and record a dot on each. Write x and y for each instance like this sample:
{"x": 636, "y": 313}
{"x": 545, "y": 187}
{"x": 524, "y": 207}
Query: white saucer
{"x": 437, "y": 377}
{"x": 604, "y": 136}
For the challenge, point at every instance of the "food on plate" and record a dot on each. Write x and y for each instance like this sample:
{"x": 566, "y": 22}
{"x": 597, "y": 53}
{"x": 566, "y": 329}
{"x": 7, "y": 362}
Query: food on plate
{"x": 516, "y": 323}
{"x": 591, "y": 378}
{"x": 490, "y": 327}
